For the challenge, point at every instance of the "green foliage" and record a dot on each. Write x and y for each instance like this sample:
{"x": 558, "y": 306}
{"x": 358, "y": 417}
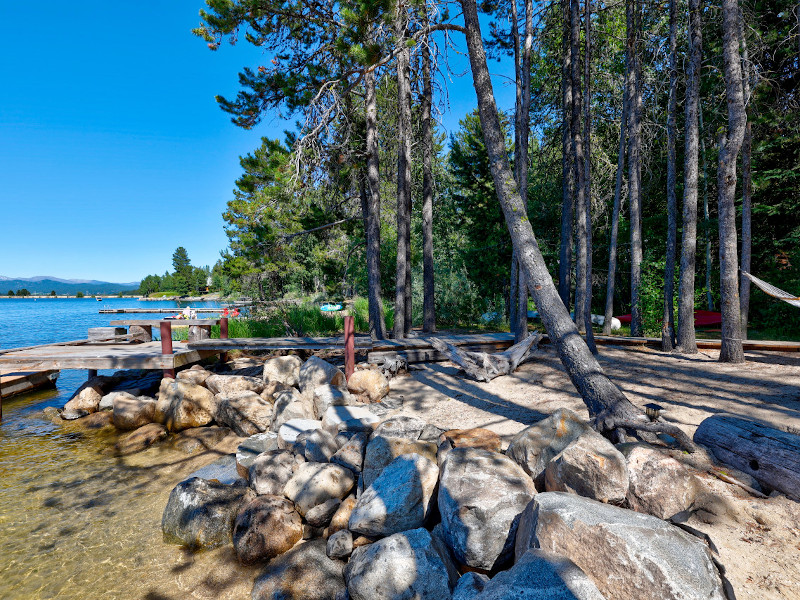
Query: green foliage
{"x": 52, "y": 292}
{"x": 78, "y": 295}
{"x": 10, "y": 293}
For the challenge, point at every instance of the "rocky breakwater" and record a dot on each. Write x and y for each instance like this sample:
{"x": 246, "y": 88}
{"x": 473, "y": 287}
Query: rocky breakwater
{"x": 356, "y": 502}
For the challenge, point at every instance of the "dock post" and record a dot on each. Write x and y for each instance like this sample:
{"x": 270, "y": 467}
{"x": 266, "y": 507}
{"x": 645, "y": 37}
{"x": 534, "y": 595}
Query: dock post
{"x": 92, "y": 374}
{"x": 166, "y": 345}
{"x": 349, "y": 347}
{"x": 223, "y": 335}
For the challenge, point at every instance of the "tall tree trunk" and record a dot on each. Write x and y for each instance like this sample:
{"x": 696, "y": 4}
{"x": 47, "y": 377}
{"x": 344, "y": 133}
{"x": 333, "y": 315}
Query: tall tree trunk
{"x": 565, "y": 249}
{"x": 607, "y": 405}
{"x": 686, "y": 337}
{"x": 587, "y": 136}
{"x": 579, "y": 159}
{"x": 402, "y": 304}
{"x": 706, "y": 215}
{"x": 514, "y": 292}
{"x": 428, "y": 297}
{"x": 612, "y": 251}
{"x": 372, "y": 216}
{"x": 634, "y": 90}
{"x": 747, "y": 187}
{"x": 731, "y": 349}
{"x": 668, "y": 320}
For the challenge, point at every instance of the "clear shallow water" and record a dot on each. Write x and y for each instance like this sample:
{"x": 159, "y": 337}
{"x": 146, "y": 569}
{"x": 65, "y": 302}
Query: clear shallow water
{"x": 75, "y": 520}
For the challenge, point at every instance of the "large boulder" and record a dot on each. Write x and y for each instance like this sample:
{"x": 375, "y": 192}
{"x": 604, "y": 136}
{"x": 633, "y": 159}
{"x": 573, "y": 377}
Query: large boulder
{"x": 534, "y": 447}
{"x": 316, "y": 372}
{"x": 132, "y": 412}
{"x": 200, "y": 513}
{"x": 246, "y": 413}
{"x": 140, "y": 439}
{"x": 481, "y": 495}
{"x": 540, "y": 575}
{"x": 181, "y": 405}
{"x": 469, "y": 585}
{"x": 231, "y": 384}
{"x": 266, "y": 527}
{"x": 625, "y": 553}
{"x": 329, "y": 395}
{"x": 290, "y": 404}
{"x": 221, "y": 470}
{"x": 320, "y": 446}
{"x": 107, "y": 401}
{"x": 315, "y": 483}
{"x": 289, "y": 432}
{"x": 398, "y": 500}
{"x": 351, "y": 454}
{"x": 249, "y": 449}
{"x": 409, "y": 565}
{"x": 590, "y": 466}
{"x": 472, "y": 438}
{"x": 195, "y": 374}
{"x": 303, "y": 573}
{"x": 85, "y": 401}
{"x": 368, "y": 383}
{"x": 350, "y": 419}
{"x": 383, "y": 450}
{"x": 283, "y": 369}
{"x": 271, "y": 470}
{"x": 401, "y": 426}
{"x": 272, "y": 389}
{"x": 659, "y": 485}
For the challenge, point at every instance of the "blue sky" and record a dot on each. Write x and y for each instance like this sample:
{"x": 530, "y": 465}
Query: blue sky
{"x": 113, "y": 151}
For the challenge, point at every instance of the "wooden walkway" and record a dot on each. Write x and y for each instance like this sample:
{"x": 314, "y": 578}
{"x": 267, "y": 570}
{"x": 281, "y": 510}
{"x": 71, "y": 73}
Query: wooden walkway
{"x": 102, "y": 355}
{"x": 14, "y": 382}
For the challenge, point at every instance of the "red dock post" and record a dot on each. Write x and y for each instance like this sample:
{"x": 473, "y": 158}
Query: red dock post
{"x": 166, "y": 345}
{"x": 349, "y": 346}
{"x": 223, "y": 335}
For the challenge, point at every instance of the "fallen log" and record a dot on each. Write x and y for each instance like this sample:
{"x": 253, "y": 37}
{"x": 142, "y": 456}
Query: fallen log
{"x": 770, "y": 455}
{"x": 483, "y": 366}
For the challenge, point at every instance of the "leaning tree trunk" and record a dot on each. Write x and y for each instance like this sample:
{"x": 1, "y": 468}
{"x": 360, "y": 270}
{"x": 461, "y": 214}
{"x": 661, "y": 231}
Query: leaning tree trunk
{"x": 634, "y": 92}
{"x": 578, "y": 159}
{"x": 686, "y": 337}
{"x": 611, "y": 411}
{"x": 731, "y": 349}
{"x": 587, "y": 136}
{"x": 402, "y": 281}
{"x": 668, "y": 320}
{"x": 428, "y": 297}
{"x": 565, "y": 249}
{"x": 612, "y": 251}
{"x": 372, "y": 218}
{"x": 747, "y": 187}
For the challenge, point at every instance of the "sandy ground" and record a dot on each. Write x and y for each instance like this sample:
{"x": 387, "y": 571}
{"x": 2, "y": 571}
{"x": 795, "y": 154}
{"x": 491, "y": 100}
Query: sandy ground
{"x": 758, "y": 539}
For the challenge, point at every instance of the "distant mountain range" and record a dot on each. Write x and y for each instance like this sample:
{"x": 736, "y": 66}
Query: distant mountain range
{"x": 44, "y": 284}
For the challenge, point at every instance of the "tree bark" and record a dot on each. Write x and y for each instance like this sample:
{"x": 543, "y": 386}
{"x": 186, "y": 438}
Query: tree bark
{"x": 587, "y": 136}
{"x": 579, "y": 160}
{"x": 612, "y": 251}
{"x": 668, "y": 319}
{"x": 706, "y": 215}
{"x": 731, "y": 349}
{"x": 372, "y": 218}
{"x": 606, "y": 403}
{"x": 565, "y": 249}
{"x": 428, "y": 296}
{"x": 402, "y": 303}
{"x": 633, "y": 24}
{"x": 747, "y": 187}
{"x": 686, "y": 336}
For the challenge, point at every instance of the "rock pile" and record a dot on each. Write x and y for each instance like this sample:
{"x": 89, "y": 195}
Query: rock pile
{"x": 342, "y": 505}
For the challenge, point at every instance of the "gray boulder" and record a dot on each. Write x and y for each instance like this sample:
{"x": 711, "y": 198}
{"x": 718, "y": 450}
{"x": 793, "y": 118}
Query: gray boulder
{"x": 534, "y": 447}
{"x": 85, "y": 400}
{"x": 320, "y": 446}
{"x": 132, "y": 412}
{"x": 590, "y": 466}
{"x": 182, "y": 405}
{"x": 321, "y": 514}
{"x": 292, "y": 429}
{"x": 401, "y": 426}
{"x": 469, "y": 585}
{"x": 481, "y": 495}
{"x": 200, "y": 513}
{"x": 541, "y": 575}
{"x": 303, "y": 573}
{"x": 316, "y": 372}
{"x": 383, "y": 450}
{"x": 231, "y": 384}
{"x": 349, "y": 418}
{"x": 266, "y": 527}
{"x": 290, "y": 404}
{"x": 625, "y": 553}
{"x": 398, "y": 500}
{"x": 222, "y": 470}
{"x": 659, "y": 485}
{"x": 315, "y": 483}
{"x": 107, "y": 401}
{"x": 271, "y": 470}
{"x": 246, "y": 413}
{"x": 283, "y": 369}
{"x": 410, "y": 565}
{"x": 351, "y": 454}
{"x": 250, "y": 448}
{"x": 340, "y": 545}
{"x": 329, "y": 395}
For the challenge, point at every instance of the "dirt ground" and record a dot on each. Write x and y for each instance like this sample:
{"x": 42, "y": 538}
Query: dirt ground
{"x": 758, "y": 539}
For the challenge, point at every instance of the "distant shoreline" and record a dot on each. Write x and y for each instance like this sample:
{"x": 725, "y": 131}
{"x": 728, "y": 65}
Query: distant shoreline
{"x": 208, "y": 298}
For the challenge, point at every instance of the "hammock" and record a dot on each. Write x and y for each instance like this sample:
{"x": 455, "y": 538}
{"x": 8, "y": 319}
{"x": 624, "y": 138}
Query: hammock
{"x": 773, "y": 291}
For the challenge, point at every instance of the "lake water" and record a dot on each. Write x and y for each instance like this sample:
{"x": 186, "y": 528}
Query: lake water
{"x": 75, "y": 520}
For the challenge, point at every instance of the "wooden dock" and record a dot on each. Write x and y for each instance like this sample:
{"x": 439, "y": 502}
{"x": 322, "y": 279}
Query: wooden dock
{"x": 159, "y": 311}
{"x": 14, "y": 382}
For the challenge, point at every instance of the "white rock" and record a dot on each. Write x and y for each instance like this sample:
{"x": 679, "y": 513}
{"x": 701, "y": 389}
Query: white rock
{"x": 316, "y": 483}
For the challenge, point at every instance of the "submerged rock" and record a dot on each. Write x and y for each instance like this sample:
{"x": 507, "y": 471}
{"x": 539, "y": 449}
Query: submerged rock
{"x": 303, "y": 573}
{"x": 132, "y": 412}
{"x": 140, "y": 439}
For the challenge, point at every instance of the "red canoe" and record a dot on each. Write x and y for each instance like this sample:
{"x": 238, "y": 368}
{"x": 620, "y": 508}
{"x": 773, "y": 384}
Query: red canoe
{"x": 702, "y": 318}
